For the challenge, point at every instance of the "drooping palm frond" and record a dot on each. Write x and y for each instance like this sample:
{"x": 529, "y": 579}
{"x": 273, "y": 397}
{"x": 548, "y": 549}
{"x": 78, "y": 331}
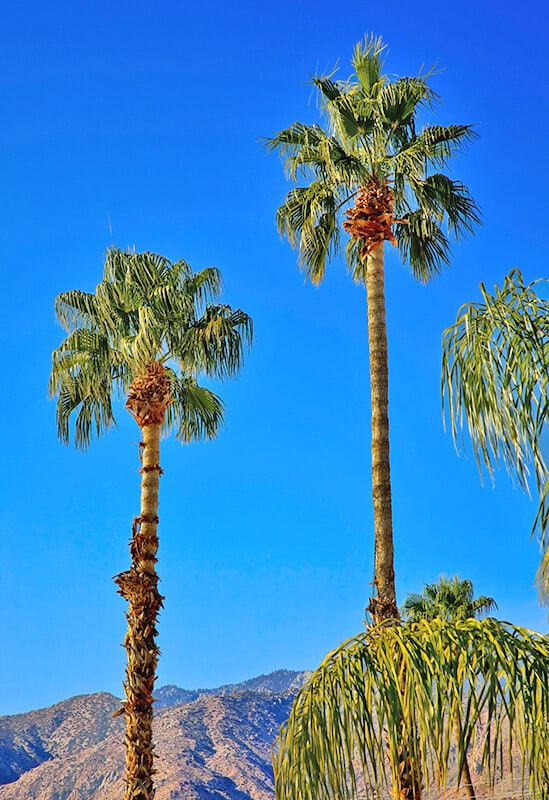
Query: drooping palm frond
{"x": 398, "y": 687}
{"x": 196, "y": 412}
{"x": 145, "y": 310}
{"x": 495, "y": 383}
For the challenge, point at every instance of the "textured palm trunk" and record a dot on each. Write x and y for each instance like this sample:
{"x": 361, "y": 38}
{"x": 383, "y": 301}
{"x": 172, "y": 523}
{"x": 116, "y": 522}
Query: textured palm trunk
{"x": 465, "y": 771}
{"x": 147, "y": 401}
{"x": 383, "y": 605}
{"x": 139, "y": 586}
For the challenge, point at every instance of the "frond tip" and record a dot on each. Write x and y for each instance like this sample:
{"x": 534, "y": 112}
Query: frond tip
{"x": 400, "y": 689}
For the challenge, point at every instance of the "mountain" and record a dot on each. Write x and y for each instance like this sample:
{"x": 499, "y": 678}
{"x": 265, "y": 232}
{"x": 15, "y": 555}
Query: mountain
{"x": 72, "y": 750}
{"x": 215, "y": 748}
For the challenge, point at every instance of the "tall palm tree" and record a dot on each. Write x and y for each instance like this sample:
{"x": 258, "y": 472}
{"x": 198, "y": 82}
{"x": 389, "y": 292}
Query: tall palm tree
{"x": 146, "y": 334}
{"x": 375, "y": 173}
{"x": 450, "y": 600}
{"x": 495, "y": 381}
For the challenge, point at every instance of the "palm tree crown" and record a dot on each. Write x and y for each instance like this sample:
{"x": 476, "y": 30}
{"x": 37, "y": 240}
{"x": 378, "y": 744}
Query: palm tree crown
{"x": 372, "y": 140}
{"x": 145, "y": 311}
{"x": 449, "y": 599}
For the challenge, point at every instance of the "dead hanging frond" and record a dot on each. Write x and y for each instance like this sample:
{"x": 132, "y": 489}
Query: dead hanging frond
{"x": 150, "y": 395}
{"x": 371, "y": 217}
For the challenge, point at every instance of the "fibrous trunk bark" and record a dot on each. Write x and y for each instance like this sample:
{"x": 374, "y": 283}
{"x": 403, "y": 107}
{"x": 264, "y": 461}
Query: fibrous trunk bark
{"x": 383, "y": 605}
{"x": 139, "y": 586}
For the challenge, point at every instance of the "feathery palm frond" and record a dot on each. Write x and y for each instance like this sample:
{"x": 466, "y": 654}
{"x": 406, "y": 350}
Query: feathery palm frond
{"x": 495, "y": 382}
{"x": 394, "y": 687}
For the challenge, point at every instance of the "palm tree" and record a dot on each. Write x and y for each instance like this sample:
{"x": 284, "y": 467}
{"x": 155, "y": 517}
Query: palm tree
{"x": 147, "y": 333}
{"x": 495, "y": 381}
{"x": 374, "y": 173}
{"x": 395, "y": 684}
{"x": 451, "y": 600}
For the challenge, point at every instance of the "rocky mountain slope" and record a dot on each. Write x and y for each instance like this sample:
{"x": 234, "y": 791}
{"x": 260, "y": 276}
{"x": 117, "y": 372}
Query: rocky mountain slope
{"x": 212, "y": 744}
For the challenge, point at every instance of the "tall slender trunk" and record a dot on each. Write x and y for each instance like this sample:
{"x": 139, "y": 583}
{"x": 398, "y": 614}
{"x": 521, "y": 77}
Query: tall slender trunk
{"x": 139, "y": 586}
{"x": 383, "y": 605}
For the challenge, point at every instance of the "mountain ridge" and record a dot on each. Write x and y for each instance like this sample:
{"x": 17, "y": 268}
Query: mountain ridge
{"x": 70, "y": 732}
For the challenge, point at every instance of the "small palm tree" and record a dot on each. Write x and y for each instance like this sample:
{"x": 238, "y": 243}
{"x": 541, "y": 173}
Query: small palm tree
{"x": 450, "y": 600}
{"x": 373, "y": 172}
{"x": 495, "y": 381}
{"x": 146, "y": 334}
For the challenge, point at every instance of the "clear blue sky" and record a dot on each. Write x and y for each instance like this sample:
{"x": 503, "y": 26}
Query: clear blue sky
{"x": 138, "y": 124}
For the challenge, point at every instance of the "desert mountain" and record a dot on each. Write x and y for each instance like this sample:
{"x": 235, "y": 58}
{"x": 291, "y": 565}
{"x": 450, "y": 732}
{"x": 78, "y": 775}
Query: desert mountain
{"x": 212, "y": 744}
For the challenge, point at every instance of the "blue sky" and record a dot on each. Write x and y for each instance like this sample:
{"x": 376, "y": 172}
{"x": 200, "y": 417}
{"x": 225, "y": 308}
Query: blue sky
{"x": 139, "y": 125}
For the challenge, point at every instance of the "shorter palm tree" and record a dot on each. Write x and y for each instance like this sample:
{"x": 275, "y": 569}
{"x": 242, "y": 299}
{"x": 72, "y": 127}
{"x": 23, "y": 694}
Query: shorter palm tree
{"x": 344, "y": 735}
{"x": 146, "y": 335}
{"x": 495, "y": 382}
{"x": 450, "y": 600}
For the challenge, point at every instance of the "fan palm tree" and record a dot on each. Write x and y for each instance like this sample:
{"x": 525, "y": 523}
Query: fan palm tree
{"x": 373, "y": 172}
{"x": 495, "y": 381}
{"x": 146, "y": 334}
{"x": 450, "y": 600}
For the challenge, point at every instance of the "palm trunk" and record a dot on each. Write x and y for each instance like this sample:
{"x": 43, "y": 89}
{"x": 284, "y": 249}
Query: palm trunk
{"x": 139, "y": 586}
{"x": 383, "y": 605}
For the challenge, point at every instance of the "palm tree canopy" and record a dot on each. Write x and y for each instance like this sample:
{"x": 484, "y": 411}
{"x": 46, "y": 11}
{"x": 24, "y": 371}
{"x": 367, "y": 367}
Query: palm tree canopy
{"x": 372, "y": 134}
{"x": 495, "y": 382}
{"x": 409, "y": 683}
{"x": 449, "y": 599}
{"x": 145, "y": 311}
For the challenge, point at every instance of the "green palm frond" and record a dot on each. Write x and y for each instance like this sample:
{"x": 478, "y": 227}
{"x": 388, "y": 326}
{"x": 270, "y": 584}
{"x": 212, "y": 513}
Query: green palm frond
{"x": 423, "y": 244}
{"x": 399, "y": 689}
{"x": 145, "y": 310}
{"x": 495, "y": 383}
{"x": 195, "y": 412}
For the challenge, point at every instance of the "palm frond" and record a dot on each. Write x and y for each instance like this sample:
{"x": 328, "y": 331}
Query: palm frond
{"x": 368, "y": 64}
{"x": 495, "y": 383}
{"x": 195, "y": 412}
{"x": 423, "y": 244}
{"x": 395, "y": 690}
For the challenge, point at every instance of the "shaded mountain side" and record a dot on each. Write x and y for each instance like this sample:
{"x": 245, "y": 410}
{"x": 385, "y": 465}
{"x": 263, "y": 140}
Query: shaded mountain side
{"x": 281, "y": 680}
{"x": 216, "y": 748}
{"x": 27, "y": 740}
